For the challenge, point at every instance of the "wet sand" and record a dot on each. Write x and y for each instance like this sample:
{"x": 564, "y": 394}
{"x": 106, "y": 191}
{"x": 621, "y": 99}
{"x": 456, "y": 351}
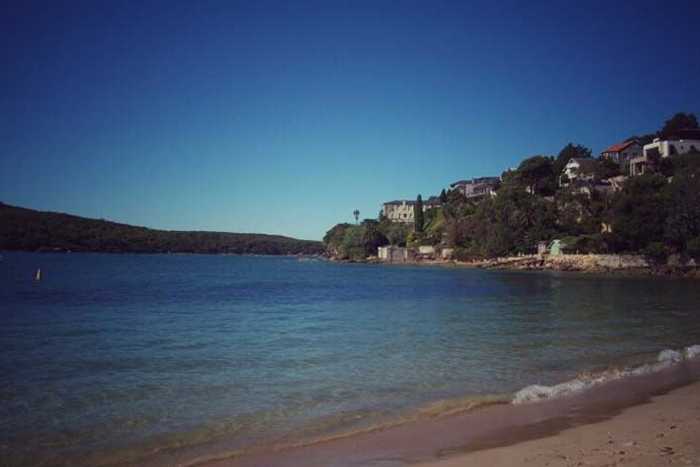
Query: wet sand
{"x": 650, "y": 419}
{"x": 665, "y": 431}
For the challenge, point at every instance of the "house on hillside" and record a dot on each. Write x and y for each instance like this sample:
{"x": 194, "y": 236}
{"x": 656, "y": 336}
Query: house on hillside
{"x": 587, "y": 187}
{"x": 622, "y": 152}
{"x": 675, "y": 143}
{"x": 404, "y": 210}
{"x": 578, "y": 169}
{"x": 477, "y": 187}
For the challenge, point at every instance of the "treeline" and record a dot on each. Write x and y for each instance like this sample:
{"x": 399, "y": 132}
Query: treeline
{"x": 649, "y": 215}
{"x": 30, "y": 230}
{"x": 656, "y": 214}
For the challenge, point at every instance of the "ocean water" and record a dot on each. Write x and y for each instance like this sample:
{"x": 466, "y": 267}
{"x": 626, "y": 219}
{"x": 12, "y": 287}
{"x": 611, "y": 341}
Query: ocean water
{"x": 119, "y": 359}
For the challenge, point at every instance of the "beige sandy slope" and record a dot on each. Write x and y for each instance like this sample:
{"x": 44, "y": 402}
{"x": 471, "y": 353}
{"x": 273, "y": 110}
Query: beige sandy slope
{"x": 663, "y": 432}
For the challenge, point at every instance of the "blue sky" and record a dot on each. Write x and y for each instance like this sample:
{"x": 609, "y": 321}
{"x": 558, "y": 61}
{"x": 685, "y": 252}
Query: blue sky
{"x": 284, "y": 117}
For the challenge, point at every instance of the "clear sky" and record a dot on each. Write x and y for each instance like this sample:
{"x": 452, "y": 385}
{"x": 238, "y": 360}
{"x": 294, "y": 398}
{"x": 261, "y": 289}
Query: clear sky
{"x": 284, "y": 117}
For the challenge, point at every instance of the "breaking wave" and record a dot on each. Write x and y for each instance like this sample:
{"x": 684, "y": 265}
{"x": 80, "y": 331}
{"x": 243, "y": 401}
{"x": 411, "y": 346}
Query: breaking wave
{"x": 665, "y": 359}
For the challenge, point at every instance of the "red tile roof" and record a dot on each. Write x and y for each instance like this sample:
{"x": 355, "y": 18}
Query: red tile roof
{"x": 620, "y": 146}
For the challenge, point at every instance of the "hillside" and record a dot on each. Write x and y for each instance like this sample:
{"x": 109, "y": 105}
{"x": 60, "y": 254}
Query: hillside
{"x": 30, "y": 230}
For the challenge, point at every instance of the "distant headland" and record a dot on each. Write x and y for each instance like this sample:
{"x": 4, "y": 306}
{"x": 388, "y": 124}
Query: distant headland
{"x": 30, "y": 230}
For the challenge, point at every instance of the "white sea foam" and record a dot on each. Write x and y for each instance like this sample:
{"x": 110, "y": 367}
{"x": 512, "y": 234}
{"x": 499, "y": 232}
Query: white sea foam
{"x": 665, "y": 359}
{"x": 692, "y": 351}
{"x": 669, "y": 355}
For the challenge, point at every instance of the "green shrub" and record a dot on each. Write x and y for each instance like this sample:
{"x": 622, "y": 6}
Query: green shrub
{"x": 656, "y": 253}
{"x": 693, "y": 248}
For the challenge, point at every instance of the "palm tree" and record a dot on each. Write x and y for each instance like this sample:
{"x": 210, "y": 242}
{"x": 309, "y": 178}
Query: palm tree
{"x": 356, "y": 213}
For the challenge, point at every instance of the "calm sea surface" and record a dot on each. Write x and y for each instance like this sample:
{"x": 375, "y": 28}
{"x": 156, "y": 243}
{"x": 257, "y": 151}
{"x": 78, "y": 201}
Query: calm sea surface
{"x": 117, "y": 358}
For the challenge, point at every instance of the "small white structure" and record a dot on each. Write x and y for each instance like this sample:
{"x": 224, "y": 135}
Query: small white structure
{"x": 617, "y": 183}
{"x": 426, "y": 250}
{"x": 578, "y": 168}
{"x": 555, "y": 247}
{"x": 393, "y": 254}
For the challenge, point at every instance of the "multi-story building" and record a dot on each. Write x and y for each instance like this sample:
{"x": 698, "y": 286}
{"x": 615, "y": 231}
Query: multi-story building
{"x": 404, "y": 210}
{"x": 675, "y": 143}
{"x": 622, "y": 152}
{"x": 477, "y": 187}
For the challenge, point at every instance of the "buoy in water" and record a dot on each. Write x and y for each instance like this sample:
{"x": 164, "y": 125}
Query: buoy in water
{"x": 37, "y": 277}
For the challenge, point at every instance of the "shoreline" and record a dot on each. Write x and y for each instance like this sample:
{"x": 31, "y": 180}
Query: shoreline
{"x": 604, "y": 264}
{"x": 430, "y": 442}
{"x": 661, "y": 431}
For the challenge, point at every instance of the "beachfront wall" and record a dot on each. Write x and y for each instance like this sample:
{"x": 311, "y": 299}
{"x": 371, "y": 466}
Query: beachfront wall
{"x": 393, "y": 254}
{"x": 426, "y": 250}
{"x": 596, "y": 262}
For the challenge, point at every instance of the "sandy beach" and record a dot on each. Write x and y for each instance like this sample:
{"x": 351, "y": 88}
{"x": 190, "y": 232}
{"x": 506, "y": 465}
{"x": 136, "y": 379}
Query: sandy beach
{"x": 664, "y": 431}
{"x": 647, "y": 420}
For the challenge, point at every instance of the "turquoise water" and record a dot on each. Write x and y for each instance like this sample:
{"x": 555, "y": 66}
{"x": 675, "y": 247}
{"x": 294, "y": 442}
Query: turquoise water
{"x": 118, "y": 358}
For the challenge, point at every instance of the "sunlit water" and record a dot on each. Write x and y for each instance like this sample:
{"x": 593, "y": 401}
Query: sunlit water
{"x": 112, "y": 358}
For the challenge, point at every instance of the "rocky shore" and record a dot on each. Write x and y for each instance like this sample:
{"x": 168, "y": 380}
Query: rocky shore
{"x": 578, "y": 263}
{"x": 584, "y": 263}
{"x": 588, "y": 263}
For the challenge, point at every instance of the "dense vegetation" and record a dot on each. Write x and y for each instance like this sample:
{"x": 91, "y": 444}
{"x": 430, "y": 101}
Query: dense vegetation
{"x": 656, "y": 214}
{"x": 30, "y": 230}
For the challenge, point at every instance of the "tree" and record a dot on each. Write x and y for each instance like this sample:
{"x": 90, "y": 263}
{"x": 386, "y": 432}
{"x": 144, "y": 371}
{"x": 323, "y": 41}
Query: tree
{"x": 354, "y": 242}
{"x": 537, "y": 174}
{"x": 639, "y": 213}
{"x": 680, "y": 121}
{"x": 607, "y": 168}
{"x": 418, "y": 214}
{"x": 569, "y": 152}
{"x": 580, "y": 214}
{"x": 513, "y": 222}
{"x": 372, "y": 237}
{"x": 688, "y": 163}
{"x": 356, "y": 213}
{"x": 443, "y": 196}
{"x": 642, "y": 139}
{"x": 395, "y": 232}
{"x": 683, "y": 221}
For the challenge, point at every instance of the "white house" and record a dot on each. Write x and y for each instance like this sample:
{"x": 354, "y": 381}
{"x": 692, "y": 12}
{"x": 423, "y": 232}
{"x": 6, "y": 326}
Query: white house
{"x": 676, "y": 143}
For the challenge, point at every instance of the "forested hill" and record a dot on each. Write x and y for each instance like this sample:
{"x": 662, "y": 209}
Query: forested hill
{"x": 30, "y": 230}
